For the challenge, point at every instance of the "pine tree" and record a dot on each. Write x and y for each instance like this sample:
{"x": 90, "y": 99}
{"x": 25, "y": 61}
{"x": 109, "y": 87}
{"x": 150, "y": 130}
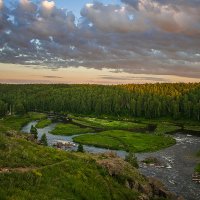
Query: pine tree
{"x": 80, "y": 148}
{"x": 43, "y": 140}
{"x": 32, "y": 129}
{"x": 34, "y": 132}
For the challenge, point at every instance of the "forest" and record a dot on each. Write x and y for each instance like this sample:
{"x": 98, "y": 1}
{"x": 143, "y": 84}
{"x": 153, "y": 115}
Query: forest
{"x": 151, "y": 101}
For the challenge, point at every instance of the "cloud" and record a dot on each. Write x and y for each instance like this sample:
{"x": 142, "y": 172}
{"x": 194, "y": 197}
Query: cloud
{"x": 52, "y": 77}
{"x": 1, "y": 4}
{"x": 113, "y": 18}
{"x": 49, "y": 5}
{"x": 138, "y": 36}
{"x": 132, "y": 78}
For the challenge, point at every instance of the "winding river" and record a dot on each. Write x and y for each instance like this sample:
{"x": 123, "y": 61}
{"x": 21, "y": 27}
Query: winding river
{"x": 178, "y": 161}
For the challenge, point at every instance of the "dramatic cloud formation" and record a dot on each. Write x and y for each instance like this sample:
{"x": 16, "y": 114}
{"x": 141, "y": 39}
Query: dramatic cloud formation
{"x": 1, "y": 4}
{"x": 137, "y": 36}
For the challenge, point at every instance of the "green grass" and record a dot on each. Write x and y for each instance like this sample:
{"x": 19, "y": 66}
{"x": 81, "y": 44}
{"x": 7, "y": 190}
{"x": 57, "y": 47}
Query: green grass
{"x": 129, "y": 141}
{"x": 110, "y": 124}
{"x": 162, "y": 126}
{"x": 165, "y": 127}
{"x": 20, "y": 153}
{"x": 43, "y": 123}
{"x": 70, "y": 129}
{"x": 15, "y": 122}
{"x": 37, "y": 116}
{"x": 192, "y": 128}
{"x": 197, "y": 169}
{"x": 41, "y": 173}
{"x": 64, "y": 175}
{"x": 85, "y": 123}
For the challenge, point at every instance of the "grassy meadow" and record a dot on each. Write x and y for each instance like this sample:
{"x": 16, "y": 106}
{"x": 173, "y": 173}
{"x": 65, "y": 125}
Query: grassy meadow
{"x": 109, "y": 123}
{"x": 125, "y": 140}
{"x": 70, "y": 129}
{"x": 43, "y": 123}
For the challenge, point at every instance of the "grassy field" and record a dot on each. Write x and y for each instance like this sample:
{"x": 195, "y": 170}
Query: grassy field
{"x": 129, "y": 141}
{"x": 109, "y": 124}
{"x": 43, "y": 123}
{"x": 16, "y": 122}
{"x": 34, "y": 172}
{"x": 70, "y": 129}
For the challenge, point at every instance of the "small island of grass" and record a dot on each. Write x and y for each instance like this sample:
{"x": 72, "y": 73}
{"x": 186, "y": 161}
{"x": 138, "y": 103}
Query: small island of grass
{"x": 43, "y": 123}
{"x": 128, "y": 141}
{"x": 70, "y": 129}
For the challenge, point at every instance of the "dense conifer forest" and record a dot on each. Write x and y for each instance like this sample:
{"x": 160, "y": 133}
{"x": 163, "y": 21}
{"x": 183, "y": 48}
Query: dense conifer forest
{"x": 176, "y": 101}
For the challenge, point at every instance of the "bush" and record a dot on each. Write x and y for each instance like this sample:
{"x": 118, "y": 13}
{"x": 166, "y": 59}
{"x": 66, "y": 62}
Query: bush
{"x": 131, "y": 158}
{"x": 43, "y": 140}
{"x": 80, "y": 148}
{"x": 34, "y": 132}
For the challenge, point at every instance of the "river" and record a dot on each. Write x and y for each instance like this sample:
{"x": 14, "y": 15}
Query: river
{"x": 53, "y": 138}
{"x": 178, "y": 160}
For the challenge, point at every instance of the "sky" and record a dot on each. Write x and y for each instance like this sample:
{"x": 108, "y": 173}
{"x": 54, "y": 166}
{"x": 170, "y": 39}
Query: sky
{"x": 102, "y": 42}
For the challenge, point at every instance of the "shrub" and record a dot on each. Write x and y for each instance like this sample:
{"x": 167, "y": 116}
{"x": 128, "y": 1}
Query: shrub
{"x": 43, "y": 140}
{"x": 80, "y": 148}
{"x": 34, "y": 132}
{"x": 131, "y": 158}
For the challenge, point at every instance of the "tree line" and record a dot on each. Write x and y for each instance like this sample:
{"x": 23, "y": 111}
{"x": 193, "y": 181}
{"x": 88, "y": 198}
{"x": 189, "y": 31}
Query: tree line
{"x": 173, "y": 100}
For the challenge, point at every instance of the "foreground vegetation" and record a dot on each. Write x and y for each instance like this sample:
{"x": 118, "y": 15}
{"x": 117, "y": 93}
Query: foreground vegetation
{"x": 31, "y": 171}
{"x": 128, "y": 141}
{"x": 70, "y": 129}
{"x": 64, "y": 175}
